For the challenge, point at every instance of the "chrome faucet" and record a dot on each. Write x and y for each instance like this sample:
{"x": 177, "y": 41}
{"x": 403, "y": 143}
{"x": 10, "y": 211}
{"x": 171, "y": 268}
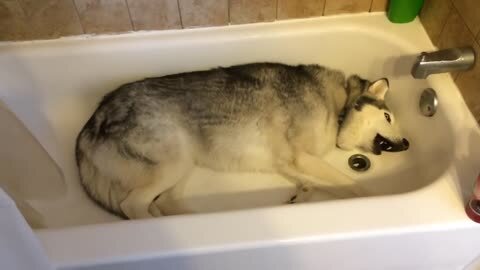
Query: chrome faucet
{"x": 447, "y": 60}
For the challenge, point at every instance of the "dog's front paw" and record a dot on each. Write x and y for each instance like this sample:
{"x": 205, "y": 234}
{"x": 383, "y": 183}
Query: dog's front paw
{"x": 133, "y": 210}
{"x": 292, "y": 199}
{"x": 303, "y": 195}
{"x": 155, "y": 210}
{"x": 346, "y": 192}
{"x": 359, "y": 191}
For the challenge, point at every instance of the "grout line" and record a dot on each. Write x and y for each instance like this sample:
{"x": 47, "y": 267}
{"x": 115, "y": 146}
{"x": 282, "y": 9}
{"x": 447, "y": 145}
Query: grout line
{"x": 25, "y": 19}
{"x": 228, "y": 12}
{"x": 276, "y": 10}
{"x": 455, "y": 76}
{"x": 458, "y": 76}
{"x": 78, "y": 16}
{"x": 450, "y": 13}
{"x": 22, "y": 8}
{"x": 371, "y": 5}
{"x": 129, "y": 15}
{"x": 180, "y": 14}
{"x": 324, "y": 5}
{"x": 463, "y": 20}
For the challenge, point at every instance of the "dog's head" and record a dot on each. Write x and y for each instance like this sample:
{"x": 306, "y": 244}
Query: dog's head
{"x": 366, "y": 122}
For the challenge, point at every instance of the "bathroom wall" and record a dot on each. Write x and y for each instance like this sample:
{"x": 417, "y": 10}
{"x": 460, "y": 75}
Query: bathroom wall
{"x": 449, "y": 23}
{"x": 48, "y": 19}
{"x": 454, "y": 23}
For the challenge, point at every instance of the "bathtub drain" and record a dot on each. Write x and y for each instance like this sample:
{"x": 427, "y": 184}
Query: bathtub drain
{"x": 359, "y": 163}
{"x": 428, "y": 102}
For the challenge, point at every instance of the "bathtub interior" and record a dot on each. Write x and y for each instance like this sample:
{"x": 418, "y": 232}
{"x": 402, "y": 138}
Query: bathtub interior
{"x": 53, "y": 88}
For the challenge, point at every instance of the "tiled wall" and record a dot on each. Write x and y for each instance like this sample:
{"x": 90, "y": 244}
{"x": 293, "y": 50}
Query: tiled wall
{"x": 47, "y": 19}
{"x": 450, "y": 23}
{"x": 455, "y": 23}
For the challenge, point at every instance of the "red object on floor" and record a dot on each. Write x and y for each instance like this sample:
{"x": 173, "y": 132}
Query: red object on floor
{"x": 473, "y": 210}
{"x": 473, "y": 206}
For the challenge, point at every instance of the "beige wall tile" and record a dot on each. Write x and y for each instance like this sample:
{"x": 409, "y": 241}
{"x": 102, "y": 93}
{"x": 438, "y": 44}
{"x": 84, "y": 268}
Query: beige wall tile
{"x": 455, "y": 33}
{"x": 196, "y": 13}
{"x": 51, "y": 18}
{"x": 470, "y": 10}
{"x": 12, "y": 21}
{"x": 346, "y": 6}
{"x": 288, "y": 9}
{"x": 379, "y": 5}
{"x": 468, "y": 82}
{"x": 249, "y": 11}
{"x": 433, "y": 16}
{"x": 154, "y": 14}
{"x": 103, "y": 16}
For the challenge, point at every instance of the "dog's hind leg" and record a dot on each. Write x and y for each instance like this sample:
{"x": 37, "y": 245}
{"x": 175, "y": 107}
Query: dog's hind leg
{"x": 173, "y": 161}
{"x": 163, "y": 177}
{"x": 307, "y": 184}
{"x": 325, "y": 173}
{"x": 310, "y": 173}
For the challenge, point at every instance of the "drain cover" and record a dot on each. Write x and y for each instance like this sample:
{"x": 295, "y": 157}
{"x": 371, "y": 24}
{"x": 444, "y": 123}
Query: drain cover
{"x": 428, "y": 102}
{"x": 359, "y": 163}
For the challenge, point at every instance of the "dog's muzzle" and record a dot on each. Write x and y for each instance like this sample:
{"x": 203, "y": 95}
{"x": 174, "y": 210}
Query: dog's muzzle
{"x": 381, "y": 143}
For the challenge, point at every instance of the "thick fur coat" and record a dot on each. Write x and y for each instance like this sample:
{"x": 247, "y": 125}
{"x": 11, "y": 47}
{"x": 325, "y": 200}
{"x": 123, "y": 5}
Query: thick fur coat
{"x": 146, "y": 136}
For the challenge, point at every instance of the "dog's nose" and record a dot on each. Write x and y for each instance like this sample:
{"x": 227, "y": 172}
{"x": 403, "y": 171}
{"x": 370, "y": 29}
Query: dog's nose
{"x": 406, "y": 144}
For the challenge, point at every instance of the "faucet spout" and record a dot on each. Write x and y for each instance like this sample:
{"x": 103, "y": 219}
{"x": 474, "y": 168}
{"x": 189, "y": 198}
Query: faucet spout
{"x": 447, "y": 60}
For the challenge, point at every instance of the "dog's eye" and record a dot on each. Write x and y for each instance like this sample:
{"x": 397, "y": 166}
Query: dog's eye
{"x": 387, "y": 116}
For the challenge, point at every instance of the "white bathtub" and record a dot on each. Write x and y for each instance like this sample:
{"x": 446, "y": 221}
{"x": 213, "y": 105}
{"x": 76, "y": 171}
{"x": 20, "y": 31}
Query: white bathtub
{"x": 413, "y": 220}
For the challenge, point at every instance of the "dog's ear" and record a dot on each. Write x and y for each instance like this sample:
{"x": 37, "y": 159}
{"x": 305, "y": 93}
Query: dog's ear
{"x": 379, "y": 88}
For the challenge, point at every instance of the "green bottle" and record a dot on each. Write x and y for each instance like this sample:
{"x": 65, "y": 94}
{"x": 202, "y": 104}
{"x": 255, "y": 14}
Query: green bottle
{"x": 403, "y": 11}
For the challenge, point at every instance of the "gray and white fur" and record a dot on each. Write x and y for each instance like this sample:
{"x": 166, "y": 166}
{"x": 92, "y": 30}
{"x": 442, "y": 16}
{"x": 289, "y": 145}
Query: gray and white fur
{"x": 146, "y": 136}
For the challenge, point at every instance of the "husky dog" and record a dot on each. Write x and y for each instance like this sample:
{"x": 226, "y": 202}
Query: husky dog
{"x": 146, "y": 136}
